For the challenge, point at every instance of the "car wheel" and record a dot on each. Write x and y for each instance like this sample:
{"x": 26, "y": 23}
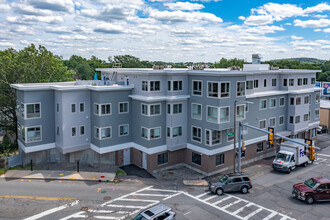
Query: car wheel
{"x": 219, "y": 191}
{"x": 244, "y": 190}
{"x": 309, "y": 200}
{"x": 289, "y": 170}
{"x": 306, "y": 164}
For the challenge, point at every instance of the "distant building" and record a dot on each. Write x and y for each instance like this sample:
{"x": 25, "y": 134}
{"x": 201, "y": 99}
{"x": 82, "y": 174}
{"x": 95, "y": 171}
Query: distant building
{"x": 165, "y": 117}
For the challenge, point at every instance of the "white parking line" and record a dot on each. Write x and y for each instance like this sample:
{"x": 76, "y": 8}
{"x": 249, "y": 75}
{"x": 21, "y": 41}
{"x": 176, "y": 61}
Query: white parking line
{"x": 252, "y": 214}
{"x": 270, "y": 216}
{"x": 125, "y": 206}
{"x": 137, "y": 200}
{"x": 143, "y": 194}
{"x": 176, "y": 194}
{"x": 203, "y": 194}
{"x": 224, "y": 199}
{"x": 76, "y": 215}
{"x": 241, "y": 209}
{"x": 211, "y": 197}
{"x": 187, "y": 213}
{"x": 230, "y": 204}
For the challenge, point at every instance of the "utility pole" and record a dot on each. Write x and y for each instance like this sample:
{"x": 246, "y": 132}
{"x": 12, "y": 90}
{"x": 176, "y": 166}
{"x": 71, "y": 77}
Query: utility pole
{"x": 235, "y": 103}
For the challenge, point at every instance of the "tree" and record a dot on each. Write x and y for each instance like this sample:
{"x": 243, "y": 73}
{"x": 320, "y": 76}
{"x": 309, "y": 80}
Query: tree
{"x": 30, "y": 65}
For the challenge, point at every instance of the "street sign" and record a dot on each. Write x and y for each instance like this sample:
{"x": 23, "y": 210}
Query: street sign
{"x": 229, "y": 134}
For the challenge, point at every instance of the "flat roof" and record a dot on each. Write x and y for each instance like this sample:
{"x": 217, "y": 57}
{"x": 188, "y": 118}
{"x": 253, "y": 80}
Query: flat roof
{"x": 325, "y": 104}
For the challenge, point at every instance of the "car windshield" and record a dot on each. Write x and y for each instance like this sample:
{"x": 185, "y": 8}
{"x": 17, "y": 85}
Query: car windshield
{"x": 283, "y": 157}
{"x": 139, "y": 217}
{"x": 311, "y": 183}
{"x": 223, "y": 179}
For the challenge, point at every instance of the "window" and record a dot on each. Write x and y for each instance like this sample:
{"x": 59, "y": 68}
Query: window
{"x": 306, "y": 100}
{"x": 73, "y": 131}
{"x": 150, "y": 110}
{"x": 262, "y": 124}
{"x": 317, "y": 98}
{"x": 256, "y": 83}
{"x": 177, "y": 108}
{"x": 197, "y": 134}
{"x": 82, "y": 107}
{"x": 281, "y": 120}
{"x": 282, "y": 101}
{"x": 313, "y": 80}
{"x": 273, "y": 82}
{"x": 305, "y": 117}
{"x": 291, "y": 101}
{"x": 155, "y": 109}
{"x": 285, "y": 82}
{"x": 154, "y": 85}
{"x": 57, "y": 107}
{"x": 102, "y": 133}
{"x": 305, "y": 82}
{"x": 197, "y": 88}
{"x": 123, "y": 130}
{"x": 224, "y": 114}
{"x": 177, "y": 131}
{"x": 33, "y": 110}
{"x": 272, "y": 103}
{"x": 177, "y": 85}
{"x": 212, "y": 137}
{"x": 144, "y": 85}
{"x": 196, "y": 159}
{"x": 168, "y": 132}
{"x": 168, "y": 108}
{"x": 314, "y": 132}
{"x": 57, "y": 131}
{"x": 291, "y": 82}
{"x": 219, "y": 159}
{"x": 298, "y": 100}
{"x": 260, "y": 147}
{"x": 297, "y": 119}
{"x": 96, "y": 109}
{"x": 144, "y": 133}
{"x": 249, "y": 84}
{"x": 82, "y": 130}
{"x": 212, "y": 89}
{"x": 73, "y": 108}
{"x": 123, "y": 107}
{"x": 144, "y": 109}
{"x": 169, "y": 87}
{"x": 105, "y": 109}
{"x": 225, "y": 89}
{"x": 272, "y": 122}
{"x": 309, "y": 115}
{"x": 162, "y": 158}
{"x": 230, "y": 137}
{"x": 317, "y": 114}
{"x": 240, "y": 89}
{"x": 291, "y": 120}
{"x": 196, "y": 111}
{"x": 242, "y": 153}
{"x": 265, "y": 82}
{"x": 154, "y": 133}
{"x": 33, "y": 134}
{"x": 263, "y": 104}
{"x": 240, "y": 112}
{"x": 212, "y": 114}
{"x": 299, "y": 82}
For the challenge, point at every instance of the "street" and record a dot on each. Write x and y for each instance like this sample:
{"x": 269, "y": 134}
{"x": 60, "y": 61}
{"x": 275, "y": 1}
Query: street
{"x": 270, "y": 198}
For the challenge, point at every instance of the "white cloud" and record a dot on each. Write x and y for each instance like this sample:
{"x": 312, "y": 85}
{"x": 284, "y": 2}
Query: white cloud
{"x": 54, "y": 5}
{"x": 32, "y": 19}
{"x": 26, "y": 9}
{"x": 304, "y": 48}
{"x": 296, "y": 38}
{"x": 258, "y": 20}
{"x": 304, "y": 43}
{"x": 312, "y": 23}
{"x": 318, "y": 8}
{"x": 320, "y": 16}
{"x": 184, "y": 6}
{"x": 317, "y": 30}
{"x": 109, "y": 28}
{"x": 58, "y": 30}
{"x": 6, "y": 44}
{"x": 241, "y": 18}
{"x": 4, "y": 7}
{"x": 327, "y": 30}
{"x": 326, "y": 47}
{"x": 281, "y": 11}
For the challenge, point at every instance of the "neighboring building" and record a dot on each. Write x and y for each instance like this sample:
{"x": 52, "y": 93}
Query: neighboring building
{"x": 325, "y": 113}
{"x": 164, "y": 117}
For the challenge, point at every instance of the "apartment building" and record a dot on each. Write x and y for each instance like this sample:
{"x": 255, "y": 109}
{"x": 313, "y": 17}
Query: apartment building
{"x": 157, "y": 118}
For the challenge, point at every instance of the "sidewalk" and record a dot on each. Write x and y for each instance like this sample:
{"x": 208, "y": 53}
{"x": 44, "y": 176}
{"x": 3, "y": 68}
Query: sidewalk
{"x": 59, "y": 175}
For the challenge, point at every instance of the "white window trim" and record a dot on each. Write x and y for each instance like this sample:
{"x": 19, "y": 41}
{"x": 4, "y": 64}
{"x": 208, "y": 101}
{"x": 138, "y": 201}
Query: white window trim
{"x": 260, "y": 102}
{"x": 192, "y": 86}
{"x": 75, "y": 108}
{"x": 246, "y": 84}
{"x": 80, "y": 130}
{"x": 211, "y": 145}
{"x": 207, "y": 89}
{"x": 317, "y": 118}
{"x": 26, "y": 132}
{"x": 280, "y": 120}
{"x": 149, "y": 85}
{"x": 84, "y": 107}
{"x": 275, "y": 82}
{"x": 192, "y": 111}
{"x": 228, "y": 91}
{"x": 275, "y": 102}
{"x": 274, "y": 123}
{"x": 243, "y": 87}
{"x": 219, "y": 113}
{"x": 191, "y": 137}
{"x": 171, "y": 108}
{"x": 160, "y": 133}
{"x": 301, "y": 81}
{"x": 265, "y": 123}
{"x": 148, "y": 109}
{"x": 299, "y": 119}
{"x": 279, "y": 104}
{"x": 76, "y": 131}
{"x": 100, "y": 128}
{"x": 218, "y": 116}
{"x": 100, "y": 109}
{"x": 123, "y": 134}
{"x": 236, "y": 112}
{"x": 172, "y": 90}
{"x": 119, "y": 108}
{"x": 147, "y": 133}
{"x": 25, "y": 110}
{"x": 171, "y": 131}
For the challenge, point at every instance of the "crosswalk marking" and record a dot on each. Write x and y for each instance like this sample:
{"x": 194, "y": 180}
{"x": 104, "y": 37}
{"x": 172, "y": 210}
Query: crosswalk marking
{"x": 203, "y": 194}
{"x": 241, "y": 209}
{"x": 211, "y": 197}
{"x": 270, "y": 216}
{"x": 224, "y": 199}
{"x": 230, "y": 204}
{"x": 252, "y": 214}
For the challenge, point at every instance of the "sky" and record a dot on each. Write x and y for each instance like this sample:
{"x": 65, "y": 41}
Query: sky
{"x": 173, "y": 31}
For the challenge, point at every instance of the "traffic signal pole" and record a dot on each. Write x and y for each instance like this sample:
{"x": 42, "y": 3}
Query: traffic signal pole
{"x": 241, "y": 124}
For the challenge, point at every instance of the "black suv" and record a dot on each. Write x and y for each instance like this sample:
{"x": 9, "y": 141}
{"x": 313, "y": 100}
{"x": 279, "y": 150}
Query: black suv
{"x": 231, "y": 182}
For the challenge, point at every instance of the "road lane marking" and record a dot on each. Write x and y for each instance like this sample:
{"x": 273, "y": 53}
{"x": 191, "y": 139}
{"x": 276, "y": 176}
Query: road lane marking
{"x": 221, "y": 200}
{"x": 137, "y": 200}
{"x": 270, "y": 216}
{"x": 35, "y": 197}
{"x": 252, "y": 214}
{"x": 211, "y": 197}
{"x": 203, "y": 194}
{"x": 187, "y": 213}
{"x": 75, "y": 215}
{"x": 125, "y": 206}
{"x": 326, "y": 155}
{"x": 230, "y": 204}
{"x": 241, "y": 209}
{"x": 171, "y": 196}
{"x": 143, "y": 194}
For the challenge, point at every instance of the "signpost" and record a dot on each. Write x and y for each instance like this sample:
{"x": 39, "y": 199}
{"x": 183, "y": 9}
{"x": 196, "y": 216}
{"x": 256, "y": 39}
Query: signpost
{"x": 229, "y": 134}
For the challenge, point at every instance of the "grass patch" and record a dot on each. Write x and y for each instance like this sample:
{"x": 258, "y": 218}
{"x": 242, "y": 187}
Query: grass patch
{"x": 121, "y": 172}
{"x": 27, "y": 167}
{"x": 2, "y": 171}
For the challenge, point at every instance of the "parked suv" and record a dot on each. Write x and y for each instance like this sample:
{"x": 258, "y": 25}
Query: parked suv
{"x": 322, "y": 129}
{"x": 231, "y": 182}
{"x": 158, "y": 212}
{"x": 313, "y": 189}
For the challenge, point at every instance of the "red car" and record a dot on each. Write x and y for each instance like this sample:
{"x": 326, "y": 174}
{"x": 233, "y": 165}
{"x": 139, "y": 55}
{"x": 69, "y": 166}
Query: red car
{"x": 313, "y": 189}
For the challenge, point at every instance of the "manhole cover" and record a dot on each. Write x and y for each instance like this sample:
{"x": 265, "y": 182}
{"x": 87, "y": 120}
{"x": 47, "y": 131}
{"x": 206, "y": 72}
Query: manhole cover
{"x": 84, "y": 209}
{"x": 107, "y": 198}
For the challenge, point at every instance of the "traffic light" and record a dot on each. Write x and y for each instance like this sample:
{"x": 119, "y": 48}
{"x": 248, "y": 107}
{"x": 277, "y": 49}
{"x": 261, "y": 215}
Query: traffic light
{"x": 312, "y": 153}
{"x": 271, "y": 136}
{"x": 243, "y": 146}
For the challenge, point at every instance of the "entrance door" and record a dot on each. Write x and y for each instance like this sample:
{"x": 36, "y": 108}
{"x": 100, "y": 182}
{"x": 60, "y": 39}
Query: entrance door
{"x": 127, "y": 156}
{"x": 144, "y": 160}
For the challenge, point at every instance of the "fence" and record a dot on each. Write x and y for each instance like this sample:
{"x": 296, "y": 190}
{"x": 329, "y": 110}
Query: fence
{"x": 15, "y": 160}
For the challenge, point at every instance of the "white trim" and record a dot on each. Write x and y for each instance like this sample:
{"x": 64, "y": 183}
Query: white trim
{"x": 210, "y": 137}
{"x": 260, "y": 105}
{"x": 26, "y": 132}
{"x": 160, "y": 133}
{"x": 75, "y": 108}
{"x": 275, "y": 102}
{"x": 149, "y": 107}
{"x": 36, "y": 147}
{"x": 316, "y": 118}
{"x": 246, "y": 84}
{"x": 201, "y": 111}
{"x": 279, "y": 104}
{"x": 172, "y": 108}
{"x": 280, "y": 120}
{"x": 192, "y": 88}
{"x": 172, "y": 90}
{"x": 243, "y": 87}
{"x": 80, "y": 130}
{"x": 76, "y": 131}
{"x": 119, "y": 107}
{"x": 244, "y": 112}
{"x": 149, "y": 84}
{"x": 207, "y": 89}
{"x": 99, "y": 137}
{"x": 25, "y": 110}
{"x": 219, "y": 113}
{"x": 274, "y": 123}
{"x": 108, "y": 149}
{"x": 228, "y": 91}
{"x": 192, "y": 134}
{"x": 79, "y": 107}
{"x": 159, "y": 98}
{"x": 146, "y": 138}
{"x": 275, "y": 82}
{"x": 171, "y": 130}
{"x": 265, "y": 123}
{"x": 123, "y": 134}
